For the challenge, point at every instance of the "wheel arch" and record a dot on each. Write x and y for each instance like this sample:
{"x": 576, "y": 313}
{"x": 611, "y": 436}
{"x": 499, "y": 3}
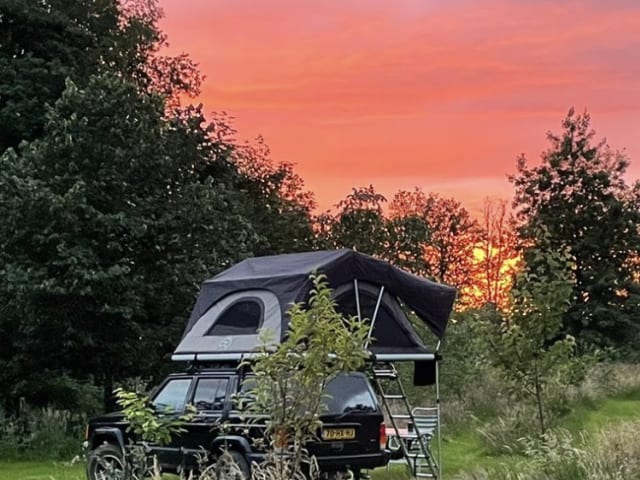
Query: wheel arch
{"x": 231, "y": 442}
{"x": 107, "y": 435}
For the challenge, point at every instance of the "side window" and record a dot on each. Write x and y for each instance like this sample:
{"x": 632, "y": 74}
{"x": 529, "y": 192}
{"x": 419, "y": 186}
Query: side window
{"x": 173, "y": 395}
{"x": 210, "y": 393}
{"x": 243, "y": 317}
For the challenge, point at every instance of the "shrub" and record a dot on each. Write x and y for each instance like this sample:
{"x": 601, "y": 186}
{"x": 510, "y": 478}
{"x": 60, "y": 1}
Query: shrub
{"x": 289, "y": 380}
{"x": 506, "y": 433}
{"x": 38, "y": 433}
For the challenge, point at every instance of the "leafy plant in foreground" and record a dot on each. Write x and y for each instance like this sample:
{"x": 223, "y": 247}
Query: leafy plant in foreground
{"x": 289, "y": 381}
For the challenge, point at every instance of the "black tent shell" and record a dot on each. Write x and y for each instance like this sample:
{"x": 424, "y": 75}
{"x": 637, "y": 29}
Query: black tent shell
{"x": 256, "y": 293}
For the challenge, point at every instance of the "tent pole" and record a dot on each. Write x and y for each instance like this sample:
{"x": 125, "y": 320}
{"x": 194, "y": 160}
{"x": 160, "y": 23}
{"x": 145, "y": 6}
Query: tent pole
{"x": 355, "y": 287}
{"x": 438, "y": 412}
{"x": 375, "y": 314}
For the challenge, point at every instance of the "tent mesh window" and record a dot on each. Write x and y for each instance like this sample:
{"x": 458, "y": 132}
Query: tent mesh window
{"x": 243, "y": 317}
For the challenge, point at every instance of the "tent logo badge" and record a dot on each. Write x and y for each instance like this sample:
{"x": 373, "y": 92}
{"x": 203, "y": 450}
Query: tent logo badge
{"x": 225, "y": 343}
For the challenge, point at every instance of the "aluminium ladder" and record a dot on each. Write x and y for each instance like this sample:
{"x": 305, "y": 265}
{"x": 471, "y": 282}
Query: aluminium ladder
{"x": 415, "y": 449}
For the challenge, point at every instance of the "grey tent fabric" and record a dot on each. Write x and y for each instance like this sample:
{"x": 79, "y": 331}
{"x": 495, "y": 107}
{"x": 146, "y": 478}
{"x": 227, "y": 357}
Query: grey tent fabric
{"x": 287, "y": 277}
{"x": 204, "y": 338}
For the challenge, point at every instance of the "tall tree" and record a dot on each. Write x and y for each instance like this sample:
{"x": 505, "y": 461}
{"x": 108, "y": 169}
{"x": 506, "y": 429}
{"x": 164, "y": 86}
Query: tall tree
{"x": 409, "y": 231}
{"x": 359, "y": 223}
{"x": 496, "y": 254}
{"x": 448, "y": 250}
{"x": 110, "y": 219}
{"x": 280, "y": 208}
{"x": 537, "y": 361}
{"x": 44, "y": 42}
{"x": 116, "y": 201}
{"x": 454, "y": 235}
{"x": 578, "y": 195}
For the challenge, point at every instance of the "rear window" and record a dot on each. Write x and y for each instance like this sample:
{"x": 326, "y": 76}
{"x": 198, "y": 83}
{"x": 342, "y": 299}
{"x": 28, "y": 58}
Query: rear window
{"x": 349, "y": 392}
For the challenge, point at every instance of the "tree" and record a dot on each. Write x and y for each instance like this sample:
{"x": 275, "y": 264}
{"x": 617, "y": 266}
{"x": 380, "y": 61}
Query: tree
{"x": 44, "y": 43}
{"x": 496, "y": 255}
{"x": 409, "y": 232}
{"x": 110, "y": 220}
{"x": 405, "y": 203}
{"x": 407, "y": 237}
{"x": 280, "y": 208}
{"x": 359, "y": 224}
{"x": 579, "y": 196}
{"x": 288, "y": 383}
{"x": 527, "y": 347}
{"x": 454, "y": 235}
{"x": 448, "y": 249}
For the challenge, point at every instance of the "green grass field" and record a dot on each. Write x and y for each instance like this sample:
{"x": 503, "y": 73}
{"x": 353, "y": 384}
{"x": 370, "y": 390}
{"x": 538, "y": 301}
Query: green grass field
{"x": 460, "y": 453}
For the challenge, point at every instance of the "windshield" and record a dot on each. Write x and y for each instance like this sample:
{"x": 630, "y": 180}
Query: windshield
{"x": 173, "y": 395}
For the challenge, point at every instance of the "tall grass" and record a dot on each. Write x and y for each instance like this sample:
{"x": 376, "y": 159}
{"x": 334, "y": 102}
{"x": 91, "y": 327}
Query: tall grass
{"x": 611, "y": 454}
{"x": 40, "y": 433}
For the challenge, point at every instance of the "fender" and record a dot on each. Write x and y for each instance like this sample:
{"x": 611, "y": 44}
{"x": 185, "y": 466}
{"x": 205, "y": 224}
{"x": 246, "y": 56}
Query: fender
{"x": 231, "y": 440}
{"x": 111, "y": 433}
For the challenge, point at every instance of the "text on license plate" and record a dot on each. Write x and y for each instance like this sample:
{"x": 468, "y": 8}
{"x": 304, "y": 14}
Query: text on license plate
{"x": 338, "y": 433}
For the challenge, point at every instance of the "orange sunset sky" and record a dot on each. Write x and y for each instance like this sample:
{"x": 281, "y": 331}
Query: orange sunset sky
{"x": 442, "y": 95}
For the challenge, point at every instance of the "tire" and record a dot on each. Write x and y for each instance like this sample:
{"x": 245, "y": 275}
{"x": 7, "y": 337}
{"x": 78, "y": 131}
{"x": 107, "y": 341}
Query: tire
{"x": 232, "y": 465}
{"x": 106, "y": 463}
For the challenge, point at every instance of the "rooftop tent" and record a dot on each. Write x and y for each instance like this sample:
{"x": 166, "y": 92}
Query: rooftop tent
{"x": 256, "y": 293}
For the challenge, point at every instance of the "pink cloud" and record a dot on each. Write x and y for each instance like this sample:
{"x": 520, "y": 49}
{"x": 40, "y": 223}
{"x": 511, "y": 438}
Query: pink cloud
{"x": 372, "y": 91}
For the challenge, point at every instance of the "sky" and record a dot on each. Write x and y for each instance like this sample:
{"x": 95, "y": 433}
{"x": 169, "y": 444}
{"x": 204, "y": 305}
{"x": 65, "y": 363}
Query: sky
{"x": 437, "y": 94}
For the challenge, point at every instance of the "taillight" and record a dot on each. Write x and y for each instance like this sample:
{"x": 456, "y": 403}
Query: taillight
{"x": 383, "y": 436}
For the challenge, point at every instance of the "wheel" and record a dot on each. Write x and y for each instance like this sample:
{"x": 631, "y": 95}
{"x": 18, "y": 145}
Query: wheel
{"x": 232, "y": 465}
{"x": 343, "y": 475}
{"x": 106, "y": 463}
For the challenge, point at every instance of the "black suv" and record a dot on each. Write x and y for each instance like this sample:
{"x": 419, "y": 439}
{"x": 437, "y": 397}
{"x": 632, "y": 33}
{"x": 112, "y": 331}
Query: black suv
{"x": 352, "y": 435}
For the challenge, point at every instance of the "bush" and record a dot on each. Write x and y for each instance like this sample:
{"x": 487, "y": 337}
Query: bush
{"x": 507, "y": 433}
{"x": 41, "y": 433}
{"x": 59, "y": 391}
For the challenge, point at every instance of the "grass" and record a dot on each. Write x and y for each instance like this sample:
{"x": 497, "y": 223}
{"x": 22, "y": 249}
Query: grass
{"x": 46, "y": 470}
{"x": 591, "y": 416}
{"x": 461, "y": 452}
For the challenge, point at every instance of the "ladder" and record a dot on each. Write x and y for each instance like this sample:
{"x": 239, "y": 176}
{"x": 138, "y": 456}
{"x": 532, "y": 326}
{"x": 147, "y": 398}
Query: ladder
{"x": 415, "y": 447}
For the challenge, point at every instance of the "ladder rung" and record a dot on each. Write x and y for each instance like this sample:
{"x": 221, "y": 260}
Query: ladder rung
{"x": 401, "y": 416}
{"x": 385, "y": 374}
{"x": 393, "y": 396}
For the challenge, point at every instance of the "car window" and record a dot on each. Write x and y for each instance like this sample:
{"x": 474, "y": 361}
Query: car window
{"x": 345, "y": 393}
{"x": 173, "y": 395}
{"x": 348, "y": 392}
{"x": 210, "y": 393}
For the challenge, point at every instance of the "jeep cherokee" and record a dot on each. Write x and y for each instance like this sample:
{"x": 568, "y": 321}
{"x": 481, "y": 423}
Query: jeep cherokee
{"x": 352, "y": 436}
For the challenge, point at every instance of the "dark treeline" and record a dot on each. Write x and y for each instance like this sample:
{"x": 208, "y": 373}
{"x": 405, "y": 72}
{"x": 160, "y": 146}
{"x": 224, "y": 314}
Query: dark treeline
{"x": 117, "y": 200}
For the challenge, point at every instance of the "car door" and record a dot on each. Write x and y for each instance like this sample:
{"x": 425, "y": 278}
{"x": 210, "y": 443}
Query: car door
{"x": 171, "y": 400}
{"x": 210, "y": 398}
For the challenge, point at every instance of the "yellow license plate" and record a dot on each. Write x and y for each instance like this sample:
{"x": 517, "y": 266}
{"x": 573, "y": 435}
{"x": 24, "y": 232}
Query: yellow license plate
{"x": 338, "y": 433}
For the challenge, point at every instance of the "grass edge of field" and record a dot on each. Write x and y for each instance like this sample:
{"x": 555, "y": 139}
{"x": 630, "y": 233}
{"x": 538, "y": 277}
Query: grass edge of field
{"x": 461, "y": 451}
